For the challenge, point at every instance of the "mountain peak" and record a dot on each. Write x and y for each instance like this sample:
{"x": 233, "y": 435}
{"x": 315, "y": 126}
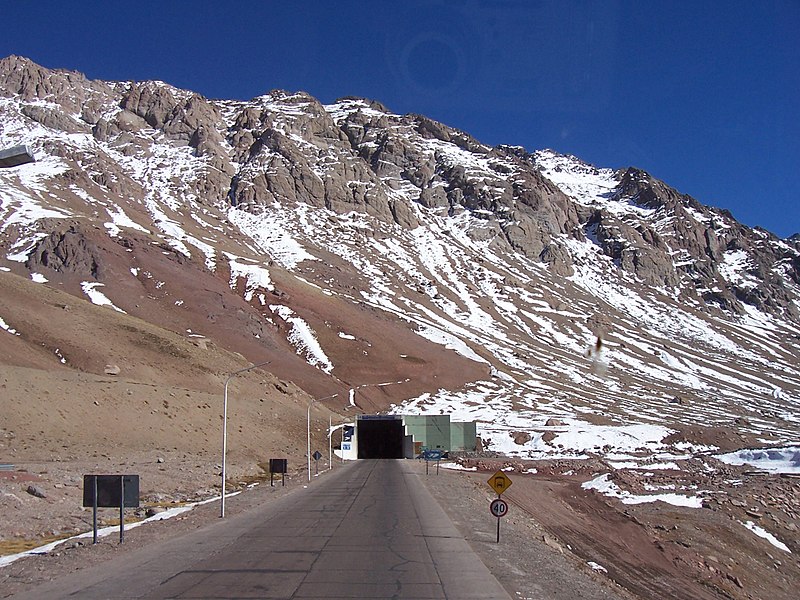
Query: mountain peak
{"x": 352, "y": 244}
{"x": 365, "y": 102}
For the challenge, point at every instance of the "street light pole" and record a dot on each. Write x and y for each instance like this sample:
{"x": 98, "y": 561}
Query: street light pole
{"x": 308, "y": 437}
{"x": 225, "y": 428}
{"x": 308, "y": 429}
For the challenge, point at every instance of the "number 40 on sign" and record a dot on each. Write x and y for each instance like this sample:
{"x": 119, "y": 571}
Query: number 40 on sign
{"x": 498, "y": 508}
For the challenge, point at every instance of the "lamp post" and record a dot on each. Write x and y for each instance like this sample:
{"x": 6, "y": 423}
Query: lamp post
{"x": 225, "y": 428}
{"x": 308, "y": 429}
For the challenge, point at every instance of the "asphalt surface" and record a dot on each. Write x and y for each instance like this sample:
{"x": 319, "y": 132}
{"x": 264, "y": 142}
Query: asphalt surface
{"x": 370, "y": 530}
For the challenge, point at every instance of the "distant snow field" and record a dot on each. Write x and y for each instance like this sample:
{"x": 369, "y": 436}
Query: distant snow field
{"x": 774, "y": 460}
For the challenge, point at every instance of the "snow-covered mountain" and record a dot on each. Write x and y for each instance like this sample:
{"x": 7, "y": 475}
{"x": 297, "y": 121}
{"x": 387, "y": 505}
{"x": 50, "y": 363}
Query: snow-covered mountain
{"x": 361, "y": 249}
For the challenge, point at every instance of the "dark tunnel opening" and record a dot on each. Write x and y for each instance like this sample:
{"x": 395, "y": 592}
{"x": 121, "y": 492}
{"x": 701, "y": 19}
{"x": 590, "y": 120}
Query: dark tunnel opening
{"x": 380, "y": 438}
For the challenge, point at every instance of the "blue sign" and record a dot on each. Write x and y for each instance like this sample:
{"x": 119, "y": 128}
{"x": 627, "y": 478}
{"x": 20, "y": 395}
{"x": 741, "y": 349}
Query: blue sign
{"x": 432, "y": 454}
{"x": 347, "y": 433}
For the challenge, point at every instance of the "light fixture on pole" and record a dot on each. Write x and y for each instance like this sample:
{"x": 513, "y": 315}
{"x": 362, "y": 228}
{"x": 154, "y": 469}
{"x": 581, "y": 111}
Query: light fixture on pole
{"x": 225, "y": 428}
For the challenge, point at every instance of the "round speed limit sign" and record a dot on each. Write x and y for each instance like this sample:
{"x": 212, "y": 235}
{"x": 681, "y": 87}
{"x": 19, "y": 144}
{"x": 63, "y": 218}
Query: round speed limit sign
{"x": 498, "y": 508}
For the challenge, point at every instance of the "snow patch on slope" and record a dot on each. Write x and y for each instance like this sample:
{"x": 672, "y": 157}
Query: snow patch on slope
{"x": 96, "y": 296}
{"x": 256, "y": 277}
{"x": 271, "y": 231}
{"x": 302, "y": 337}
{"x": 605, "y": 486}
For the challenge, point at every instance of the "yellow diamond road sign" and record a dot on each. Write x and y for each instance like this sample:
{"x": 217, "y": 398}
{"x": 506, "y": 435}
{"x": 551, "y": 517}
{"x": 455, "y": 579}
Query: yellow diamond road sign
{"x": 499, "y": 482}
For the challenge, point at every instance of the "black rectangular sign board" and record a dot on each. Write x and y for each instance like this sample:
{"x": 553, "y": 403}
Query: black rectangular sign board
{"x": 108, "y": 490}
{"x": 278, "y": 465}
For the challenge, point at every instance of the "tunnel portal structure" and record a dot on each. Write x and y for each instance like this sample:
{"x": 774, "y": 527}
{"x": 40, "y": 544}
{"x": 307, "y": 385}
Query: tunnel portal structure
{"x": 405, "y": 436}
{"x": 378, "y": 436}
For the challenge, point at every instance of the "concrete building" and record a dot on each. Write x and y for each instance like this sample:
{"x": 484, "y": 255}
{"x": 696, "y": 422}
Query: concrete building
{"x": 405, "y": 436}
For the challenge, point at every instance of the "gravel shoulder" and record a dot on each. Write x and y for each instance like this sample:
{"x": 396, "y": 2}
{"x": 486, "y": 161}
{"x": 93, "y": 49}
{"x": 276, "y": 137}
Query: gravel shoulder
{"x": 558, "y": 541}
{"x": 527, "y": 562}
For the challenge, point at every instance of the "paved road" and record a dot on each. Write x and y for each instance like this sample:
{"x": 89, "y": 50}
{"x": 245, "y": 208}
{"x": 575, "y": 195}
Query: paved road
{"x": 370, "y": 530}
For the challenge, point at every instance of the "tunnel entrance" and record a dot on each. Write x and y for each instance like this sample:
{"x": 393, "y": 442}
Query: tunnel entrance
{"x": 380, "y": 437}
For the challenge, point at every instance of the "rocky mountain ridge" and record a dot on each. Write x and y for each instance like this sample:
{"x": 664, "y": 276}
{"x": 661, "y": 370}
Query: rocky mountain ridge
{"x": 220, "y": 215}
{"x": 528, "y": 210}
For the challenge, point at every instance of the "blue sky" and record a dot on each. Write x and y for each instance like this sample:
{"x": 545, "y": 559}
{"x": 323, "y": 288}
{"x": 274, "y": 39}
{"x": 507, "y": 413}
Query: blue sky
{"x": 703, "y": 95}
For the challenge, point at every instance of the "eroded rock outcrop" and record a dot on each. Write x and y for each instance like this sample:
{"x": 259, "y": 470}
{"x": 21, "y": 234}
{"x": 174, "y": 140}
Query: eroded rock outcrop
{"x": 68, "y": 251}
{"x": 356, "y": 156}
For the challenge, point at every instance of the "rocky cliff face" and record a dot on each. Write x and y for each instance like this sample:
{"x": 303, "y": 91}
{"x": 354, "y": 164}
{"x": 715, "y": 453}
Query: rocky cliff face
{"x": 358, "y": 156}
{"x": 391, "y": 213}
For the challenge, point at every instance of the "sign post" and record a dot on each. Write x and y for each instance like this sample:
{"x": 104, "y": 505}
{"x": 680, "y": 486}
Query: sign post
{"x": 499, "y": 482}
{"x": 499, "y": 508}
{"x": 122, "y": 509}
{"x": 429, "y": 455}
{"x": 316, "y": 456}
{"x": 278, "y": 465}
{"x": 110, "y": 491}
{"x": 94, "y": 507}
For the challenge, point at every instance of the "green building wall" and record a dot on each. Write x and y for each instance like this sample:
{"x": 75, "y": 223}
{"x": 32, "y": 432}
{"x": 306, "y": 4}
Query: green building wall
{"x": 463, "y": 436}
{"x": 432, "y": 430}
{"x": 438, "y": 432}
